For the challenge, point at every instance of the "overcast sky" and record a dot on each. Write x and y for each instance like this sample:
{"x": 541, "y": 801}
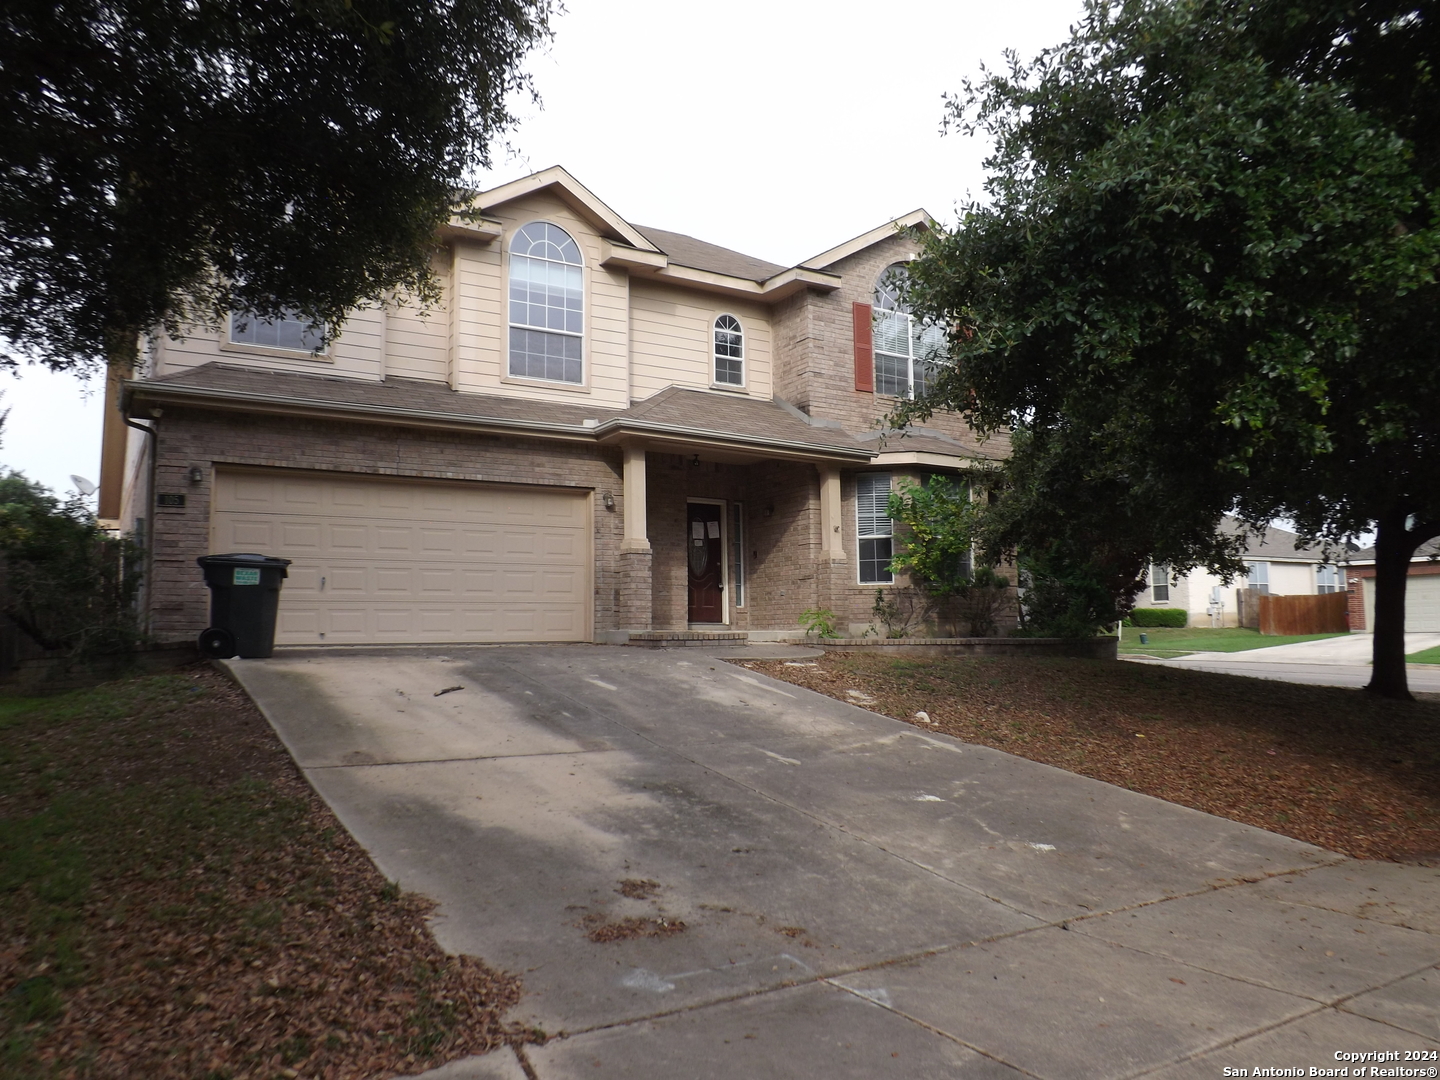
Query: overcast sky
{"x": 777, "y": 127}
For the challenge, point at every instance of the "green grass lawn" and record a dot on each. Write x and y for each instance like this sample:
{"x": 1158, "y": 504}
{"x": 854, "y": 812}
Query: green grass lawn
{"x": 1166, "y": 642}
{"x": 1425, "y": 656}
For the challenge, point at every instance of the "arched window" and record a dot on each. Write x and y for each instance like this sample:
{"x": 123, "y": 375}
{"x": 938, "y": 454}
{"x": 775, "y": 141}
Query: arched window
{"x": 547, "y": 305}
{"x": 729, "y": 351}
{"x": 906, "y": 349}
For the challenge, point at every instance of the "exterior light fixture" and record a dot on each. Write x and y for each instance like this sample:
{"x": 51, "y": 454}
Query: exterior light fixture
{"x": 608, "y": 500}
{"x": 695, "y": 462}
{"x": 770, "y": 510}
{"x": 195, "y": 474}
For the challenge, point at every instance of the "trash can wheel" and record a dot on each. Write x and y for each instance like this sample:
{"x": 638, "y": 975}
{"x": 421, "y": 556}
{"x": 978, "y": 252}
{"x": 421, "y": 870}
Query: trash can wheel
{"x": 217, "y": 643}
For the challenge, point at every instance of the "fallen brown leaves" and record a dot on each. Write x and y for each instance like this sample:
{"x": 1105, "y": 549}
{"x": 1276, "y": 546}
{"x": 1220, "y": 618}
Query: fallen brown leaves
{"x": 1329, "y": 766}
{"x": 601, "y": 928}
{"x": 222, "y": 925}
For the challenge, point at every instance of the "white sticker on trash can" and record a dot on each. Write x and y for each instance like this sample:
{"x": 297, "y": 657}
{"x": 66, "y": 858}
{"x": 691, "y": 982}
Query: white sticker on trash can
{"x": 245, "y": 576}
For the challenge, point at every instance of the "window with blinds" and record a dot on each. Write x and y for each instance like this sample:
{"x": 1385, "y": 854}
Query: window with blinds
{"x": 873, "y": 527}
{"x": 906, "y": 349}
{"x": 1160, "y": 582}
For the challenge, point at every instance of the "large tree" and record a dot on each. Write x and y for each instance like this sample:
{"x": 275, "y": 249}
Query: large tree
{"x": 168, "y": 160}
{"x": 1205, "y": 282}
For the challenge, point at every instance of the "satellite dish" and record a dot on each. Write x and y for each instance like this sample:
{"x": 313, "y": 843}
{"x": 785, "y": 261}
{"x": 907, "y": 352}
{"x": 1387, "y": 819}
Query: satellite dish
{"x": 85, "y": 487}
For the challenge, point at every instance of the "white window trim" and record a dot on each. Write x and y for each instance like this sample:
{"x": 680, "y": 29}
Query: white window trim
{"x": 1161, "y": 581}
{"x": 506, "y": 375}
{"x": 245, "y": 348}
{"x": 878, "y": 313}
{"x": 859, "y": 536}
{"x": 715, "y": 383}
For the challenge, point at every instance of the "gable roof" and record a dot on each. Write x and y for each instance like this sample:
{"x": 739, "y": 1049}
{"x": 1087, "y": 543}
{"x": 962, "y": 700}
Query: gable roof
{"x": 1276, "y": 543}
{"x": 577, "y": 195}
{"x": 870, "y": 238}
{"x": 699, "y": 255}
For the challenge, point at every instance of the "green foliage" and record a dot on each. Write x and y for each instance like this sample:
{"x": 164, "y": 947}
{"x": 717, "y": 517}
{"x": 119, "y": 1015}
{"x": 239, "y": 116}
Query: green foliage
{"x": 68, "y": 584}
{"x": 1160, "y": 616}
{"x": 940, "y": 520}
{"x": 1204, "y": 281}
{"x": 1065, "y": 595}
{"x": 819, "y": 621}
{"x": 165, "y": 162}
{"x": 941, "y": 523}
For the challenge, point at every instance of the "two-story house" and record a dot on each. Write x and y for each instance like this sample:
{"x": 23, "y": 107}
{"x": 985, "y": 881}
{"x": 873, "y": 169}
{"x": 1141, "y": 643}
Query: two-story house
{"x": 603, "y": 428}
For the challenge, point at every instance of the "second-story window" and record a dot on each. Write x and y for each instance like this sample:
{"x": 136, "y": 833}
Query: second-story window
{"x": 547, "y": 305}
{"x": 291, "y": 332}
{"x": 906, "y": 348}
{"x": 729, "y": 351}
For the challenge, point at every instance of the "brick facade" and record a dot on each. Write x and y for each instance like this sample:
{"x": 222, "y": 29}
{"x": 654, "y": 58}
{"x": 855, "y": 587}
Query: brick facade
{"x": 179, "y": 601}
{"x": 1355, "y": 577}
{"x": 788, "y": 568}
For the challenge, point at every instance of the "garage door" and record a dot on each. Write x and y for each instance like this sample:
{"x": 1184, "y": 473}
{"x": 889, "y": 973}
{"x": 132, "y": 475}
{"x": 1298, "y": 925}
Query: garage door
{"x": 1422, "y": 604}
{"x": 394, "y": 561}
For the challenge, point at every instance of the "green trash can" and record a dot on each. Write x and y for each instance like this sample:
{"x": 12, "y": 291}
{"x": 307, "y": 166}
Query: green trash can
{"x": 244, "y": 598}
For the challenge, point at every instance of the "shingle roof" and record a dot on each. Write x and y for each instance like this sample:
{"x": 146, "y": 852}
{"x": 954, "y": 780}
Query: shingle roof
{"x": 754, "y": 418}
{"x": 714, "y": 415}
{"x": 699, "y": 255}
{"x": 926, "y": 441}
{"x": 401, "y": 395}
{"x": 1277, "y": 544}
{"x": 1426, "y": 551}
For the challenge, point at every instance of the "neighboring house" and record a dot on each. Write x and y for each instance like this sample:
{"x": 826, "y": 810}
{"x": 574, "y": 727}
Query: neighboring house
{"x": 1422, "y": 590}
{"x": 1279, "y": 565}
{"x": 604, "y": 428}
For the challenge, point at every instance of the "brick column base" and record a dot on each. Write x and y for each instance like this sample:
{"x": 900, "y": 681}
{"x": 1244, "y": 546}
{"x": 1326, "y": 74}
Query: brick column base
{"x": 635, "y": 590}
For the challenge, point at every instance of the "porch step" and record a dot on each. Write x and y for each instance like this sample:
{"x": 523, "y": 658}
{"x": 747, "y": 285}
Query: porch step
{"x": 680, "y": 639}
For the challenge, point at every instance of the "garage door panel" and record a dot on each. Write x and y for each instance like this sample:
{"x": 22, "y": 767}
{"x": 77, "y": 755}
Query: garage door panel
{"x": 379, "y": 561}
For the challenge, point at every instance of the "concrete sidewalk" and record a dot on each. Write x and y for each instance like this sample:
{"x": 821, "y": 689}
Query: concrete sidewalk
{"x": 1337, "y": 661}
{"x": 860, "y": 898}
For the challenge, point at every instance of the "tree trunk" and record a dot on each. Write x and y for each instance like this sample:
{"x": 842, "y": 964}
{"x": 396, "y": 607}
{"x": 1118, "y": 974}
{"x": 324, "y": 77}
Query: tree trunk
{"x": 1394, "y": 545}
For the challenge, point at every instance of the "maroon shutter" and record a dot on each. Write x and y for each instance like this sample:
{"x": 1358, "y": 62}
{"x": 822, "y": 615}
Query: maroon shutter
{"x": 864, "y": 349}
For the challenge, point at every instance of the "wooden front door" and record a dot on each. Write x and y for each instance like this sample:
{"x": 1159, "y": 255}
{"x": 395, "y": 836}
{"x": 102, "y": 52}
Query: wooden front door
{"x": 704, "y": 556}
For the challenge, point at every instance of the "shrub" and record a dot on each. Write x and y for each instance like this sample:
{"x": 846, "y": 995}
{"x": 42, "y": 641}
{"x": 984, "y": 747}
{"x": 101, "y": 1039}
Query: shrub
{"x": 1159, "y": 616}
{"x": 68, "y": 584}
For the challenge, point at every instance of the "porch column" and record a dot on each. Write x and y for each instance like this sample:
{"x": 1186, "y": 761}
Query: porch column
{"x": 832, "y": 538}
{"x": 635, "y": 580}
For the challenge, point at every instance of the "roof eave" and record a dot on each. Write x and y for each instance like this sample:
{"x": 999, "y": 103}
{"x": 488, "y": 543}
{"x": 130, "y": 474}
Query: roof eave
{"x": 619, "y": 427}
{"x": 142, "y": 391}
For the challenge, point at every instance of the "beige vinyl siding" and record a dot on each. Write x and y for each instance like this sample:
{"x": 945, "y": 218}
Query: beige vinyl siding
{"x": 672, "y": 340}
{"x": 481, "y": 324}
{"x": 391, "y": 561}
{"x": 417, "y": 342}
{"x": 357, "y": 353}
{"x": 1292, "y": 579}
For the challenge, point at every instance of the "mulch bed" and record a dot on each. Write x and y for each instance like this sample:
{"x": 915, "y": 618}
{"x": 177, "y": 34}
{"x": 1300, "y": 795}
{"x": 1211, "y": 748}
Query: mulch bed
{"x": 1329, "y": 766}
{"x": 181, "y": 903}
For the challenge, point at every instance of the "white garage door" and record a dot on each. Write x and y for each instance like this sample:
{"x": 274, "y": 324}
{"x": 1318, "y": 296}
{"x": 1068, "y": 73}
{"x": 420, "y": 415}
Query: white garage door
{"x": 393, "y": 561}
{"x": 1422, "y": 604}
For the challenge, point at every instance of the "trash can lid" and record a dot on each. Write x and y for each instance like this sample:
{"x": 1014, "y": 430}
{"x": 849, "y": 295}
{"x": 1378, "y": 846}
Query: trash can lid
{"x": 242, "y": 558}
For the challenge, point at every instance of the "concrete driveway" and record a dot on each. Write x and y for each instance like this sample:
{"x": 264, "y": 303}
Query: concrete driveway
{"x": 1336, "y": 661}
{"x": 860, "y": 898}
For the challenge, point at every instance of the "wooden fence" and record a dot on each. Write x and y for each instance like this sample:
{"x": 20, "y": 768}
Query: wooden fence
{"x": 1324, "y": 614}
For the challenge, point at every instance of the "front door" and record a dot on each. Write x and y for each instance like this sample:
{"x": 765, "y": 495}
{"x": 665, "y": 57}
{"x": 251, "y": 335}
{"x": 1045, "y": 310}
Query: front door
{"x": 705, "y": 558}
